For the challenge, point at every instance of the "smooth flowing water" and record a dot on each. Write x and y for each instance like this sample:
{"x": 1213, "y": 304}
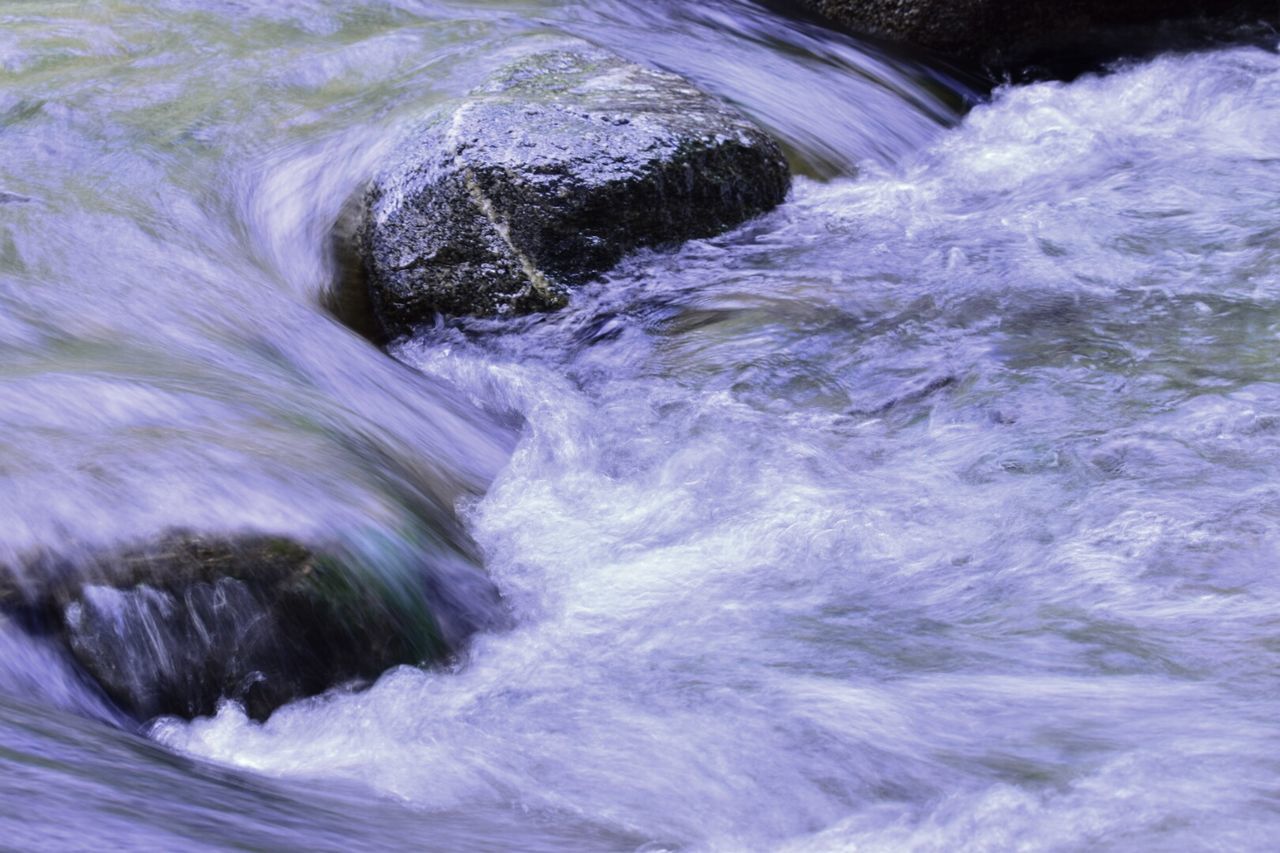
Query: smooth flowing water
{"x": 938, "y": 509}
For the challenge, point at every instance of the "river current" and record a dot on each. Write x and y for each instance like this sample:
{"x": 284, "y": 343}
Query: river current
{"x": 938, "y": 509}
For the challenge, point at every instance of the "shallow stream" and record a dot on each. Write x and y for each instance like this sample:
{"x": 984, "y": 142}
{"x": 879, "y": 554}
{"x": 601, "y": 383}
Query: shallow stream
{"x": 938, "y": 509}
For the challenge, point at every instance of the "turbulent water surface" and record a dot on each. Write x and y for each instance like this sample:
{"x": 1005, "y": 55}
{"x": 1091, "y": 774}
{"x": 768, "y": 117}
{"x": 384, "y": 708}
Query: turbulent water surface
{"x": 938, "y": 509}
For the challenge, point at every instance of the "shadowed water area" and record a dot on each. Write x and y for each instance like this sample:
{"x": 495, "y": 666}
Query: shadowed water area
{"x": 938, "y": 509}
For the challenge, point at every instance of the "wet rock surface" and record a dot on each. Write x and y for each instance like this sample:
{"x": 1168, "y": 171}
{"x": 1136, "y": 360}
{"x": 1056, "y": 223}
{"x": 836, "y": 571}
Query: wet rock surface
{"x": 547, "y": 177}
{"x": 1006, "y": 34}
{"x": 177, "y": 626}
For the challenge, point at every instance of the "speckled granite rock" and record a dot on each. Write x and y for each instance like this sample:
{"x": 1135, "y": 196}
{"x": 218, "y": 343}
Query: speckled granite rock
{"x": 548, "y": 176}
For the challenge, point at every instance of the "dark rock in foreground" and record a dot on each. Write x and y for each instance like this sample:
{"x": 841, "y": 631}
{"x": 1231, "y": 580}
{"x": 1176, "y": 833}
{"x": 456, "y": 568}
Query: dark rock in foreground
{"x": 548, "y": 176}
{"x": 173, "y": 628}
{"x": 1007, "y": 33}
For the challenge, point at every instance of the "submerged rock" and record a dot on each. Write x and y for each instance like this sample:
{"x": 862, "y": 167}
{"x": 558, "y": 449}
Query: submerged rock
{"x": 174, "y": 628}
{"x": 548, "y": 176}
{"x": 1008, "y": 33}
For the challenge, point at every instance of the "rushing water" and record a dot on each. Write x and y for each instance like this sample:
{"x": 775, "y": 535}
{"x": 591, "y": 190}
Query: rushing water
{"x": 938, "y": 509}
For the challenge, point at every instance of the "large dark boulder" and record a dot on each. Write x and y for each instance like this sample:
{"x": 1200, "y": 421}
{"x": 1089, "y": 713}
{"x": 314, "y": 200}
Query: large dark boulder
{"x": 1004, "y": 34}
{"x": 548, "y": 176}
{"x": 176, "y": 625}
